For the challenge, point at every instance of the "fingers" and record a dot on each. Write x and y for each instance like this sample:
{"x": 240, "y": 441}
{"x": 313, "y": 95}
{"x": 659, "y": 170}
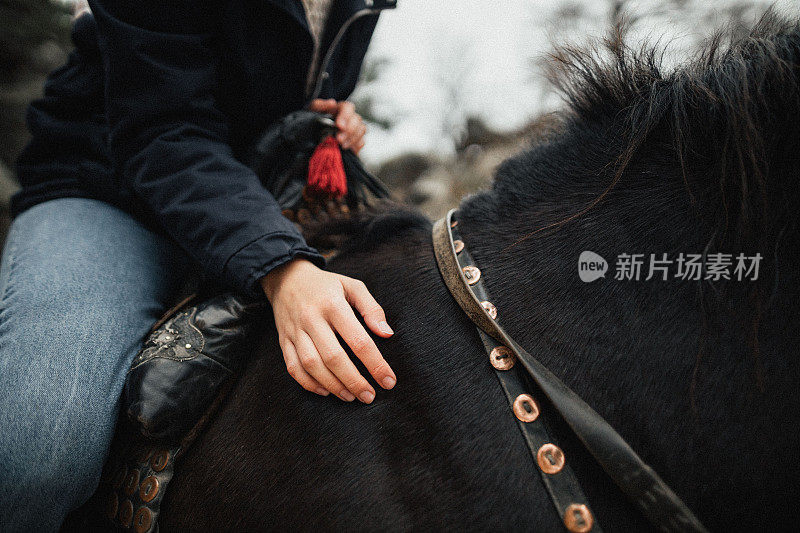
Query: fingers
{"x": 312, "y": 362}
{"x": 337, "y": 361}
{"x": 353, "y": 134}
{"x": 297, "y": 371}
{"x": 349, "y": 123}
{"x": 310, "y": 307}
{"x": 346, "y": 112}
{"x": 330, "y": 106}
{"x": 356, "y": 131}
{"x": 359, "y": 297}
{"x": 351, "y": 126}
{"x": 357, "y": 338}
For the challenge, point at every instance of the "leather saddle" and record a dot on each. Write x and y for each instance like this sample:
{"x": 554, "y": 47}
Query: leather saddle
{"x": 196, "y": 350}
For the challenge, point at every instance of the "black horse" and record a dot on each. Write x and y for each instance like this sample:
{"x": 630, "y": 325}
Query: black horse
{"x": 699, "y": 376}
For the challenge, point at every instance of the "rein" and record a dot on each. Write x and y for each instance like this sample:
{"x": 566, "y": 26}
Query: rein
{"x": 659, "y": 504}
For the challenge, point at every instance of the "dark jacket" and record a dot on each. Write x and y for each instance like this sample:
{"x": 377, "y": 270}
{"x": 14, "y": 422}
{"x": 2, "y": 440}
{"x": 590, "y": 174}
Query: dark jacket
{"x": 158, "y": 105}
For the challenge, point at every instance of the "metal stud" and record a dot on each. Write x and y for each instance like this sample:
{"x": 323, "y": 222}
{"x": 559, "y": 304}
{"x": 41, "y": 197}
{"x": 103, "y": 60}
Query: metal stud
{"x": 159, "y": 461}
{"x": 578, "y": 518}
{"x": 458, "y": 245}
{"x": 143, "y": 520}
{"x": 525, "y": 408}
{"x": 550, "y": 458}
{"x": 502, "y": 358}
{"x": 188, "y": 346}
{"x": 131, "y": 482}
{"x": 149, "y": 488}
{"x": 125, "y": 513}
{"x": 472, "y": 273}
{"x": 490, "y": 308}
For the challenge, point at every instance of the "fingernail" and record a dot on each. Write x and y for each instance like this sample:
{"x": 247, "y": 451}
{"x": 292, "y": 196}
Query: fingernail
{"x": 384, "y": 327}
{"x": 366, "y": 396}
{"x": 388, "y": 382}
{"x": 346, "y": 396}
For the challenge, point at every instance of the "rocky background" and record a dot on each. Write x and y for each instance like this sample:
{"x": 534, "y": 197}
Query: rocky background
{"x": 470, "y": 121}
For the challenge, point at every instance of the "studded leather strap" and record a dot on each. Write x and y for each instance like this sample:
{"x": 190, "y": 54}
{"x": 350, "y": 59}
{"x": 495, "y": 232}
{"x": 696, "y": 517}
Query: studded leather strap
{"x": 559, "y": 479}
{"x": 641, "y": 483}
{"x": 136, "y": 476}
{"x": 134, "y": 484}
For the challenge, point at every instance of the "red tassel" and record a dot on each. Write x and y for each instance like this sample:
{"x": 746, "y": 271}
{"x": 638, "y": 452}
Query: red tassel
{"x": 326, "y": 175}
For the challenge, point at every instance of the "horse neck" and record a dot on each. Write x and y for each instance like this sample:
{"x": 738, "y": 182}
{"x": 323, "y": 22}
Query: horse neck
{"x": 638, "y": 352}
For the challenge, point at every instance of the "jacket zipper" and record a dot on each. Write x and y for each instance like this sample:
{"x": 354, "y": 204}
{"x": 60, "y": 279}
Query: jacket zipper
{"x": 322, "y": 72}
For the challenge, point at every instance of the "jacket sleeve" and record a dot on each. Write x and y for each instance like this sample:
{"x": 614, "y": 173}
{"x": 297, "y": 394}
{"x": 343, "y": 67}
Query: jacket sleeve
{"x": 169, "y": 141}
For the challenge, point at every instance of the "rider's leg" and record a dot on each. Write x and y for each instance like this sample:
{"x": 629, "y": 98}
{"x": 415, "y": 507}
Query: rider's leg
{"x": 81, "y": 282}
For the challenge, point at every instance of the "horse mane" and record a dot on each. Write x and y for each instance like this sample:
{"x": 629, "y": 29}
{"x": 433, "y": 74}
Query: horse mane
{"x": 726, "y": 124}
{"x": 725, "y": 114}
{"x": 367, "y": 228}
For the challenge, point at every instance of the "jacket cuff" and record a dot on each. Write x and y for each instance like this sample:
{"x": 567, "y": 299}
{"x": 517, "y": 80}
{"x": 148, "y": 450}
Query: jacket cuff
{"x": 244, "y": 268}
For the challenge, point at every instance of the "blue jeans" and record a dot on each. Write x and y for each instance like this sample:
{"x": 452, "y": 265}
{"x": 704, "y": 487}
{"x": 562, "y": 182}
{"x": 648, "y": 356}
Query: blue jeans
{"x": 81, "y": 283}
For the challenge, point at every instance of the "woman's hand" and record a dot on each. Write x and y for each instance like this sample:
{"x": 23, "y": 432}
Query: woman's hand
{"x": 310, "y": 306}
{"x": 351, "y": 126}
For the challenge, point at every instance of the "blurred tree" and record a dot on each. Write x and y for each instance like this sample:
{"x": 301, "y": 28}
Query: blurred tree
{"x": 363, "y": 99}
{"x": 617, "y": 12}
{"x": 455, "y": 61}
{"x": 34, "y": 36}
{"x": 25, "y": 25}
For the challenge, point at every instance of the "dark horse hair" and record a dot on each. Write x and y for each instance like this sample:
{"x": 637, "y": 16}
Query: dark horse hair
{"x": 701, "y": 159}
{"x": 719, "y": 117}
{"x": 720, "y": 102}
